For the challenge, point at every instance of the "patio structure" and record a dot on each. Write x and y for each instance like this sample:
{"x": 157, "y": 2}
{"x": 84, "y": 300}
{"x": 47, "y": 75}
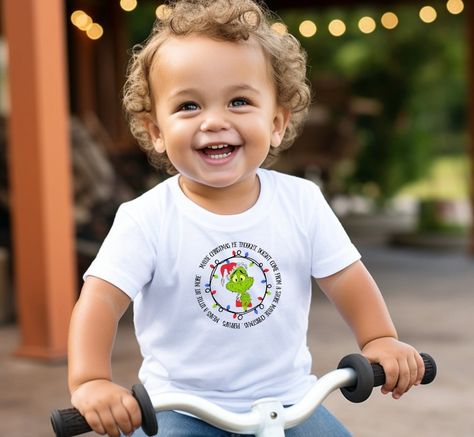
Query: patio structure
{"x": 40, "y": 179}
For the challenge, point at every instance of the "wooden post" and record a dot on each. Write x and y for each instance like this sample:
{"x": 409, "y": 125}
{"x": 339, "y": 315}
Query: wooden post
{"x": 470, "y": 44}
{"x": 40, "y": 176}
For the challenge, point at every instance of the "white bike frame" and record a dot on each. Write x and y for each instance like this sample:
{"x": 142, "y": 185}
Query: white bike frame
{"x": 355, "y": 376}
{"x": 267, "y": 417}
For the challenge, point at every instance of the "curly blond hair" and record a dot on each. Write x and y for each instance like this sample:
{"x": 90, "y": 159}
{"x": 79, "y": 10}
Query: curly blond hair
{"x": 227, "y": 20}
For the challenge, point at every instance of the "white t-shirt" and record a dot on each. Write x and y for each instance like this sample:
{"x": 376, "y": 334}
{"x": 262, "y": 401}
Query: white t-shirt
{"x": 221, "y": 302}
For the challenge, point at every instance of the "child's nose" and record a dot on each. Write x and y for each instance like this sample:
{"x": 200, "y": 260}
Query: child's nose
{"x": 215, "y": 121}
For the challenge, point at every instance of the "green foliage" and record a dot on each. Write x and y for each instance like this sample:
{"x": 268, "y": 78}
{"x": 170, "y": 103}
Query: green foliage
{"x": 446, "y": 180}
{"x": 417, "y": 72}
{"x": 140, "y": 21}
{"x": 431, "y": 220}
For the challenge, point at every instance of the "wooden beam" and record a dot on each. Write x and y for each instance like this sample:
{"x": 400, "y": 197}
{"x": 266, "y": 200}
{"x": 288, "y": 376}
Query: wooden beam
{"x": 470, "y": 75}
{"x": 40, "y": 176}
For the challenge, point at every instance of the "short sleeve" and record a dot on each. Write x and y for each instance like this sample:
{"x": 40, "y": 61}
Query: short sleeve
{"x": 126, "y": 258}
{"x": 332, "y": 249}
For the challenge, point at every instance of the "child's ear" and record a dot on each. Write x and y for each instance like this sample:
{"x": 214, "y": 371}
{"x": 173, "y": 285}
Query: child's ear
{"x": 280, "y": 123}
{"x": 155, "y": 135}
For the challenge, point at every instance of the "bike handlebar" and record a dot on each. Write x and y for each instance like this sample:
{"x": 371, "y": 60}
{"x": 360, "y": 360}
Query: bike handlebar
{"x": 373, "y": 375}
{"x": 70, "y": 422}
{"x": 355, "y": 376}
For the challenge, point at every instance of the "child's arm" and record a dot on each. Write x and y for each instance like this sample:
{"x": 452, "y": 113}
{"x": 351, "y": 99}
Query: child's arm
{"x": 105, "y": 405}
{"x": 358, "y": 299}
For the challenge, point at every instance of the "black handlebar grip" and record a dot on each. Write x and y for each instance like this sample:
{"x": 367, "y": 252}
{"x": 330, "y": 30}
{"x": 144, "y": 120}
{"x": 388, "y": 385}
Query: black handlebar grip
{"x": 373, "y": 375}
{"x": 379, "y": 375}
{"x": 69, "y": 422}
{"x": 362, "y": 389}
{"x": 149, "y": 422}
{"x": 429, "y": 375}
{"x": 430, "y": 368}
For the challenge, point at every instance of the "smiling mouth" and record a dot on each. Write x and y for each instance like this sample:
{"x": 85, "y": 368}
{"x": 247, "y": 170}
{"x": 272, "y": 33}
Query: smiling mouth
{"x": 220, "y": 151}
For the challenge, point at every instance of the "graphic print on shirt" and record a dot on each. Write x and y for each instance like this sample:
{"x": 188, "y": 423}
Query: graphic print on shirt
{"x": 239, "y": 285}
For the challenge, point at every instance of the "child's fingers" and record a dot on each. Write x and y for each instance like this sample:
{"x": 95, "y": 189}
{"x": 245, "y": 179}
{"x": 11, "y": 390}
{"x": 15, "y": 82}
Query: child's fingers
{"x": 93, "y": 419}
{"x": 122, "y": 418}
{"x": 403, "y": 383}
{"x": 133, "y": 409}
{"x": 106, "y": 424}
{"x": 421, "y": 368}
{"x": 414, "y": 369}
{"x": 390, "y": 368}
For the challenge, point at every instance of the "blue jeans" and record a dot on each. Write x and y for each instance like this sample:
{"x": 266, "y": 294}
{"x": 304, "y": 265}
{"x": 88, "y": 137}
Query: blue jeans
{"x": 171, "y": 424}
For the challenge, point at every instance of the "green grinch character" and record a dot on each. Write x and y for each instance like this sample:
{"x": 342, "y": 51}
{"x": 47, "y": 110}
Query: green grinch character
{"x": 240, "y": 282}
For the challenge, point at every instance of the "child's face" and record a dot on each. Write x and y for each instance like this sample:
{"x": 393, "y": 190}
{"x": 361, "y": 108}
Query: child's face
{"x": 215, "y": 107}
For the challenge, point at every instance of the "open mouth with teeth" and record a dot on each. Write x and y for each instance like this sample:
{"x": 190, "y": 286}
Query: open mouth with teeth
{"x": 220, "y": 151}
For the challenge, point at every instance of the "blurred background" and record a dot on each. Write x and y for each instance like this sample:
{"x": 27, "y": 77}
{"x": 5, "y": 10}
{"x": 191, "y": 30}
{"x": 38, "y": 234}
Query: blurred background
{"x": 389, "y": 138}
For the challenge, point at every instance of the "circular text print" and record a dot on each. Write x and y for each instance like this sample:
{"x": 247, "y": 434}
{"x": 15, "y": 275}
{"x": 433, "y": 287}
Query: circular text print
{"x": 242, "y": 287}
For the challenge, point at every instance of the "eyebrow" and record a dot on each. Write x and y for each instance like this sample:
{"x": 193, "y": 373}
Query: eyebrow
{"x": 244, "y": 87}
{"x": 233, "y": 88}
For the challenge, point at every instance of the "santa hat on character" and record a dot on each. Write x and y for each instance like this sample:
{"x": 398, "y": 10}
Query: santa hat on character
{"x": 227, "y": 270}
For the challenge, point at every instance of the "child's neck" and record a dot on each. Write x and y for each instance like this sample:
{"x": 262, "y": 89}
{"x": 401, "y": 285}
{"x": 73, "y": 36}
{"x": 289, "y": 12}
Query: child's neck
{"x": 235, "y": 199}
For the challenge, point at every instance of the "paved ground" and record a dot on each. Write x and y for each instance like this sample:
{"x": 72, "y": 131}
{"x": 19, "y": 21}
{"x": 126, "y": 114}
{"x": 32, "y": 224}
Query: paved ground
{"x": 431, "y": 298}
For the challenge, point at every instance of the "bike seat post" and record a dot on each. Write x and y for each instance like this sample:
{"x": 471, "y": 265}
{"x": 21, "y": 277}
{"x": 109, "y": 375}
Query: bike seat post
{"x": 272, "y": 413}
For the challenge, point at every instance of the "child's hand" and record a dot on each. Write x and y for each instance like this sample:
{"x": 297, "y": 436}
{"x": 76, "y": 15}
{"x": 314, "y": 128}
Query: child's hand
{"x": 107, "y": 407}
{"x": 402, "y": 364}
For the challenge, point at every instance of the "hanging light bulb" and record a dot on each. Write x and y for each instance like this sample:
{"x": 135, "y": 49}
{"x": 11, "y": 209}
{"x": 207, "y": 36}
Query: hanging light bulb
{"x": 95, "y": 31}
{"x": 367, "y": 25}
{"x": 279, "y": 27}
{"x": 77, "y": 17}
{"x": 389, "y": 20}
{"x": 455, "y": 6}
{"x": 128, "y": 5}
{"x": 81, "y": 20}
{"x": 428, "y": 14}
{"x": 162, "y": 12}
{"x": 308, "y": 28}
{"x": 337, "y": 27}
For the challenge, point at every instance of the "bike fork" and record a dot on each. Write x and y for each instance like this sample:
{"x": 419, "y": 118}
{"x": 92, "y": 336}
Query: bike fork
{"x": 273, "y": 418}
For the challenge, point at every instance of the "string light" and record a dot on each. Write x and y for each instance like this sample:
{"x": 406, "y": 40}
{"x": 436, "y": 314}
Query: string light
{"x": 85, "y": 23}
{"x": 337, "y": 27}
{"x": 428, "y": 14}
{"x": 455, "y": 6}
{"x": 367, "y": 25}
{"x": 389, "y": 20}
{"x": 162, "y": 12}
{"x": 308, "y": 28}
{"x": 280, "y": 28}
{"x": 128, "y": 5}
{"x": 76, "y": 17}
{"x": 81, "y": 20}
{"x": 95, "y": 31}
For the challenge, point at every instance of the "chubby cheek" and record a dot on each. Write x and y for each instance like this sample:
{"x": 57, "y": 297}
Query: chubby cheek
{"x": 255, "y": 129}
{"x": 263, "y": 138}
{"x": 177, "y": 137}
